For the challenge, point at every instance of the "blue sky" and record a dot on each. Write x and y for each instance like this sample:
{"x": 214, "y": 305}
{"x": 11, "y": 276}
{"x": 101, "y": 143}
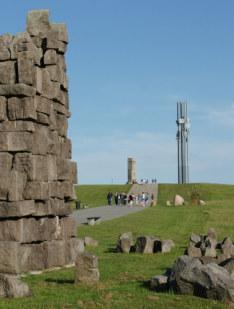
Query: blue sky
{"x": 129, "y": 62}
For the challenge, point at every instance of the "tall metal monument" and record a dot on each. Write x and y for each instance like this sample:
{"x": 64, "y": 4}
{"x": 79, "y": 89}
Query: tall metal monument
{"x": 183, "y": 125}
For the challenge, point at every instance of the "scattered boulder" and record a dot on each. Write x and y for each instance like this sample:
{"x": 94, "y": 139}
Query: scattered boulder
{"x": 202, "y": 272}
{"x": 208, "y": 259}
{"x": 145, "y": 244}
{"x": 89, "y": 241}
{"x": 228, "y": 265}
{"x": 86, "y": 270}
{"x": 210, "y": 252}
{"x": 125, "y": 242}
{"x": 202, "y": 203}
{"x": 178, "y": 200}
{"x": 194, "y": 238}
{"x": 159, "y": 283}
{"x": 11, "y": 286}
{"x": 167, "y": 245}
{"x": 193, "y": 251}
{"x": 227, "y": 246}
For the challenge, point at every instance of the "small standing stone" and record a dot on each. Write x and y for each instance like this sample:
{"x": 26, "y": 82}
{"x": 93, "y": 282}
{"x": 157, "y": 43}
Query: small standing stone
{"x": 86, "y": 269}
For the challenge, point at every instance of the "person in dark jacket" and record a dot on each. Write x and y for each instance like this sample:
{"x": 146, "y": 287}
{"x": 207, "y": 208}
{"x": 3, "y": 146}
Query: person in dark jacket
{"x": 109, "y": 198}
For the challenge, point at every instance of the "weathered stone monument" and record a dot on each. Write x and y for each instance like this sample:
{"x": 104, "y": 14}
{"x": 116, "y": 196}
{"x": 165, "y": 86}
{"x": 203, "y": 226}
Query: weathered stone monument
{"x": 131, "y": 170}
{"x": 36, "y": 171}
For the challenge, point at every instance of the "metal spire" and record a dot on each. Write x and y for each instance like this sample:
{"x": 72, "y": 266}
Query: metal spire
{"x": 183, "y": 124}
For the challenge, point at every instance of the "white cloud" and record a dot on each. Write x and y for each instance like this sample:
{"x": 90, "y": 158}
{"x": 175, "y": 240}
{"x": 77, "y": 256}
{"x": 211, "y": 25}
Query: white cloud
{"x": 223, "y": 117}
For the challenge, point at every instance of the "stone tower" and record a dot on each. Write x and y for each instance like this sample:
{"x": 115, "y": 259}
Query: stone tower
{"x": 36, "y": 171}
{"x": 131, "y": 170}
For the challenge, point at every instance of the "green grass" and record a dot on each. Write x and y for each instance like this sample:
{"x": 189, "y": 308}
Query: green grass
{"x": 95, "y": 195}
{"x": 124, "y": 277}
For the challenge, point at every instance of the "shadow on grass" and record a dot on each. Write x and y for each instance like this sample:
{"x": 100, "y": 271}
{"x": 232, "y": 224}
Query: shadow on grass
{"x": 60, "y": 281}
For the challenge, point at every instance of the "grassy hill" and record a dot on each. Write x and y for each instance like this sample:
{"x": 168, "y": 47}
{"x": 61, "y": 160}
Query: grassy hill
{"x": 124, "y": 277}
{"x": 95, "y": 195}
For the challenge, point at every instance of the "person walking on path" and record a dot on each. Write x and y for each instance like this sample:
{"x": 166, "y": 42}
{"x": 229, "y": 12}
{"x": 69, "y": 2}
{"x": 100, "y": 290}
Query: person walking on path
{"x": 116, "y": 198}
{"x": 109, "y": 198}
{"x": 153, "y": 202}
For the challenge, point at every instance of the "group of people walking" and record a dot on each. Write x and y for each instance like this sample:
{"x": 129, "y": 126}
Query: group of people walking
{"x": 142, "y": 199}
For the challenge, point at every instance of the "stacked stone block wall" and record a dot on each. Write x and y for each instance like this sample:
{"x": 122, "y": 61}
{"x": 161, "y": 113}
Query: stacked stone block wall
{"x": 36, "y": 171}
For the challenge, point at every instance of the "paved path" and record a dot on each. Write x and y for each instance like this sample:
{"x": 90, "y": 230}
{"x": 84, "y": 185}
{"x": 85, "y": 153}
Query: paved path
{"x": 109, "y": 212}
{"x": 105, "y": 212}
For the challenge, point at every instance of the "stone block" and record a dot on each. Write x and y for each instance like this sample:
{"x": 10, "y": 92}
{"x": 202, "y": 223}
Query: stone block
{"x": 49, "y": 89}
{"x": 65, "y": 149}
{"x": 167, "y": 245}
{"x": 50, "y": 57}
{"x": 68, "y": 190}
{"x": 193, "y": 251}
{"x": 15, "y": 141}
{"x": 63, "y": 98}
{"x": 37, "y": 80}
{"x": 74, "y": 246}
{"x": 159, "y": 283}
{"x": 5, "y": 41}
{"x": 55, "y": 250}
{"x": 16, "y": 185}
{"x": 59, "y": 207}
{"x": 145, "y": 244}
{"x": 38, "y": 22}
{"x": 12, "y": 287}
{"x": 25, "y": 68}
{"x": 53, "y": 42}
{"x": 55, "y": 189}
{"x": 17, "y": 90}
{"x": 61, "y": 32}
{"x": 17, "y": 126}
{"x": 5, "y": 163}
{"x": 43, "y": 105}
{"x": 7, "y": 72}
{"x": 9, "y": 257}
{"x": 63, "y": 167}
{"x": 2, "y": 108}
{"x": 17, "y": 209}
{"x": 36, "y": 190}
{"x": 22, "y": 108}
{"x": 73, "y": 172}
{"x": 34, "y": 166}
{"x": 61, "y": 109}
{"x": 61, "y": 122}
{"x": 22, "y": 42}
{"x": 31, "y": 257}
{"x": 52, "y": 167}
{"x": 41, "y": 140}
{"x": 34, "y": 230}
{"x": 68, "y": 227}
{"x": 86, "y": 270}
{"x": 43, "y": 119}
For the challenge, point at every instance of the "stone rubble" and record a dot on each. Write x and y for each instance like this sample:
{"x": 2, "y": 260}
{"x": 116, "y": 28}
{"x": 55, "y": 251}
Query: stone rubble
{"x": 37, "y": 174}
{"x": 143, "y": 244}
{"x": 203, "y": 272}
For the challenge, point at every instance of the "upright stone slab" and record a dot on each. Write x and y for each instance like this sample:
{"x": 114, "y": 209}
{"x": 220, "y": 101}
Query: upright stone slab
{"x": 37, "y": 174}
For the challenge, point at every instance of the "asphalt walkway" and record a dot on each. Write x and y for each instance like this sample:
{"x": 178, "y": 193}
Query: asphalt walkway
{"x": 105, "y": 212}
